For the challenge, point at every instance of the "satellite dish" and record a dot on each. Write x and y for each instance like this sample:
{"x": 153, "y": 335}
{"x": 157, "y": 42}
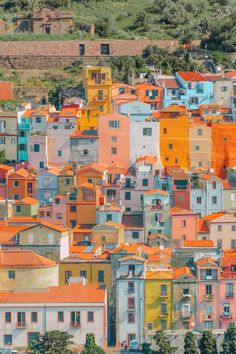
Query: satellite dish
{"x": 211, "y": 170}
{"x": 162, "y": 247}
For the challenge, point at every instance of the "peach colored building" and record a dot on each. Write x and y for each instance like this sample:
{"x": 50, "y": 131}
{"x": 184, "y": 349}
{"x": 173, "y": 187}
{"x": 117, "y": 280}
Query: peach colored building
{"x": 4, "y": 171}
{"x": 114, "y": 139}
{"x": 21, "y": 184}
{"x": 208, "y": 274}
{"x": 55, "y": 213}
{"x": 184, "y": 225}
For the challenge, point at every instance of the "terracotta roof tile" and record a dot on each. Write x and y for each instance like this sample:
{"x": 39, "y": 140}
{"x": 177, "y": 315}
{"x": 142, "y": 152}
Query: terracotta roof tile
{"x": 178, "y": 272}
{"x": 23, "y": 259}
{"x": 206, "y": 260}
{"x": 199, "y": 243}
{"x": 191, "y": 76}
{"x": 6, "y": 90}
{"x": 28, "y": 200}
{"x": 147, "y": 158}
{"x": 159, "y": 191}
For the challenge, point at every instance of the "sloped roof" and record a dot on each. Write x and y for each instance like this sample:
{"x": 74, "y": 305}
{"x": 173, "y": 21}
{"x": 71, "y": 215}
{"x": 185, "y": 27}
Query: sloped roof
{"x": 191, "y": 76}
{"x": 147, "y": 158}
{"x": 159, "y": 191}
{"x": 94, "y": 166}
{"x": 132, "y": 258}
{"x": 72, "y": 293}
{"x": 198, "y": 243}
{"x": 179, "y": 272}
{"x": 206, "y": 260}
{"x": 176, "y": 210}
{"x": 23, "y": 259}
{"x": 27, "y": 200}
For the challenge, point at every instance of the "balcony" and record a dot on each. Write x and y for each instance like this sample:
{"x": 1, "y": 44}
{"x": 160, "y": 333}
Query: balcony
{"x": 131, "y": 309}
{"x": 128, "y": 186}
{"x": 227, "y": 315}
{"x": 187, "y": 296}
{"x": 186, "y": 315}
{"x": 21, "y": 324}
{"x": 208, "y": 297}
{"x": 208, "y": 317}
{"x": 229, "y": 295}
{"x": 75, "y": 324}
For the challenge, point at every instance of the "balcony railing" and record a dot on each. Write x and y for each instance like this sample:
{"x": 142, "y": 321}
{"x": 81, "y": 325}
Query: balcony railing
{"x": 187, "y": 296}
{"x": 208, "y": 297}
{"x": 74, "y": 324}
{"x": 230, "y": 295}
{"x": 131, "y": 308}
{"x": 186, "y": 315}
{"x": 227, "y": 315}
{"x": 21, "y": 324}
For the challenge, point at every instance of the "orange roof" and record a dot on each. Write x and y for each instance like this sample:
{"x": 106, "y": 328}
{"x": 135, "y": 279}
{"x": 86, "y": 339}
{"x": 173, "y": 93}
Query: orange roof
{"x": 178, "y": 272}
{"x": 94, "y": 166}
{"x": 5, "y": 167}
{"x": 69, "y": 111}
{"x": 130, "y": 248}
{"x": 228, "y": 259}
{"x": 23, "y": 259}
{"x": 8, "y": 233}
{"x": 159, "y": 274}
{"x": 206, "y": 260}
{"x": 191, "y": 76}
{"x": 49, "y": 225}
{"x": 134, "y": 258}
{"x": 230, "y": 73}
{"x": 27, "y": 200}
{"x": 6, "y": 90}
{"x": 180, "y": 211}
{"x": 159, "y": 191}
{"x": 83, "y": 228}
{"x": 72, "y": 293}
{"x": 227, "y": 185}
{"x": 147, "y": 158}
{"x": 199, "y": 243}
{"x": 90, "y": 185}
{"x": 21, "y": 172}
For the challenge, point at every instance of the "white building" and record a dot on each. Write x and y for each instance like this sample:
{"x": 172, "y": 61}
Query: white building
{"x": 75, "y": 308}
{"x": 130, "y": 299}
{"x": 144, "y": 140}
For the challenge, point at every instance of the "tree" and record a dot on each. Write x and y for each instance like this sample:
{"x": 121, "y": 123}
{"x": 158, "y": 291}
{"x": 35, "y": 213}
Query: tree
{"x": 163, "y": 344}
{"x": 53, "y": 342}
{"x": 229, "y": 342}
{"x": 146, "y": 349}
{"x": 208, "y": 343}
{"x": 2, "y": 156}
{"x": 190, "y": 346}
{"x": 103, "y": 27}
{"x": 90, "y": 346}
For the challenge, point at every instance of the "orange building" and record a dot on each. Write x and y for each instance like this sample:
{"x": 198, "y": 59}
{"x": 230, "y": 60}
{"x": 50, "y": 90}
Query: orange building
{"x": 174, "y": 137}
{"x": 223, "y": 147}
{"x": 92, "y": 173}
{"x": 150, "y": 94}
{"x": 21, "y": 184}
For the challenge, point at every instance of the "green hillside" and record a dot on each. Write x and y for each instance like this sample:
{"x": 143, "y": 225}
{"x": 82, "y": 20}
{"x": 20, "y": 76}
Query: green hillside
{"x": 211, "y": 21}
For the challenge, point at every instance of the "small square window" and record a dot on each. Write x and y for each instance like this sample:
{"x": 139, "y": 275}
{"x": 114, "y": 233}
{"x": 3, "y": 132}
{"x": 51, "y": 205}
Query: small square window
{"x": 59, "y": 153}
{"x": 170, "y": 146}
{"x": 164, "y": 130}
{"x": 135, "y": 235}
{"x": 11, "y": 274}
{"x": 145, "y": 182}
{"x": 41, "y": 164}
{"x": 105, "y": 49}
{"x": 113, "y": 150}
{"x": 197, "y": 147}
{"x": 7, "y": 339}
{"x": 16, "y": 184}
{"x": 85, "y": 152}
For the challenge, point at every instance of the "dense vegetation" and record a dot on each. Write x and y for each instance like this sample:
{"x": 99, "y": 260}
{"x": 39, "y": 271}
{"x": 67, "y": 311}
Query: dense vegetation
{"x": 211, "y": 21}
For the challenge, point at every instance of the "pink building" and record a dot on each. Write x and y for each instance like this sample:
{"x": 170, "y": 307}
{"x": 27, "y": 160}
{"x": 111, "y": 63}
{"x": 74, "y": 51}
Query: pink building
{"x": 55, "y": 213}
{"x": 184, "y": 226}
{"x": 111, "y": 186}
{"x": 208, "y": 294}
{"x": 114, "y": 139}
{"x": 38, "y": 152}
{"x": 4, "y": 170}
{"x": 227, "y": 289}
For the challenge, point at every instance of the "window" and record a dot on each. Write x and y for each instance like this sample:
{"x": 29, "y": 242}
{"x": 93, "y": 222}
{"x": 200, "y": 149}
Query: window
{"x": 176, "y": 160}
{"x": 229, "y": 290}
{"x": 214, "y": 185}
{"x": 16, "y": 197}
{"x": 111, "y": 192}
{"x": 13, "y": 141}
{"x": 100, "y": 95}
{"x": 22, "y": 147}
{"x": 131, "y": 318}
{"x": 18, "y": 208}
{"x": 113, "y": 150}
{"x": 121, "y": 90}
{"x": 127, "y": 196}
{"x": 208, "y": 324}
{"x": 130, "y": 287}
{"x": 170, "y": 146}
{"x": 16, "y": 184}
{"x": 208, "y": 289}
{"x": 11, "y": 274}
{"x": 59, "y": 153}
{"x": 83, "y": 273}
{"x": 38, "y": 120}
{"x": 214, "y": 200}
{"x": 132, "y": 268}
{"x": 34, "y": 317}
{"x": 47, "y": 29}
{"x": 233, "y": 228}
{"x": 2, "y": 141}
{"x": 101, "y": 276}
{"x": 41, "y": 164}
{"x": 75, "y": 319}
{"x": 90, "y": 316}
{"x": 147, "y": 131}
{"x": 85, "y": 152}
{"x": 186, "y": 325}
{"x": 223, "y": 88}
{"x": 163, "y": 324}
{"x": 131, "y": 303}
{"x": 105, "y": 49}
{"x": 163, "y": 289}
{"x": 114, "y": 139}
{"x": 149, "y": 326}
{"x": 194, "y": 100}
{"x": 199, "y": 132}
{"x": 2, "y": 126}
{"x": 68, "y": 274}
{"x": 7, "y": 339}
{"x": 233, "y": 197}
{"x": 219, "y": 243}
{"x": 219, "y": 227}
{"x": 185, "y": 310}
{"x": 145, "y": 182}
{"x": 60, "y": 316}
{"x": 226, "y": 310}
{"x": 135, "y": 235}
{"x": 59, "y": 216}
{"x": 199, "y": 200}
{"x": 20, "y": 319}
{"x": 233, "y": 243}
{"x": 166, "y": 158}
{"x": 7, "y": 317}
{"x": 163, "y": 309}
{"x": 164, "y": 130}
{"x": 200, "y": 163}
{"x": 81, "y": 49}
{"x": 73, "y": 208}
{"x": 114, "y": 124}
{"x": 36, "y": 147}
{"x": 183, "y": 223}
{"x": 185, "y": 291}
{"x": 197, "y": 148}
{"x": 183, "y": 237}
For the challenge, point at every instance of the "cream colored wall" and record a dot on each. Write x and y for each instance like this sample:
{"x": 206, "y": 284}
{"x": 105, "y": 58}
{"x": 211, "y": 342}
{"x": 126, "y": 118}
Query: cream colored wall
{"x": 204, "y": 142}
{"x": 29, "y": 278}
{"x": 40, "y": 236}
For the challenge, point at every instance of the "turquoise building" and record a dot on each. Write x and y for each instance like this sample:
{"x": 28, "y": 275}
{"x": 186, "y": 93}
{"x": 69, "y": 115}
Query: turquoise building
{"x": 23, "y": 133}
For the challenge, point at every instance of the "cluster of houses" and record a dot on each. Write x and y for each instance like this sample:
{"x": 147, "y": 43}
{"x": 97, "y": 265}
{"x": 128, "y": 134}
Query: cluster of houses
{"x": 121, "y": 210}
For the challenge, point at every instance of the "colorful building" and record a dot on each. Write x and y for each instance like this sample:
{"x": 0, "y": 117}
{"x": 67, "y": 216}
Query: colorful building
{"x": 4, "y": 171}
{"x": 26, "y": 207}
{"x": 87, "y": 119}
{"x": 200, "y": 145}
{"x": 21, "y": 184}
{"x": 97, "y": 82}
{"x": 183, "y": 226}
{"x": 150, "y": 94}
{"x": 114, "y": 139}
{"x": 9, "y": 135}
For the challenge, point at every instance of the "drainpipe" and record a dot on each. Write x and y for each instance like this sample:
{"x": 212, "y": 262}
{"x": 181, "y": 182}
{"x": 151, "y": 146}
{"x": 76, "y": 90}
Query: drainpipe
{"x": 45, "y": 319}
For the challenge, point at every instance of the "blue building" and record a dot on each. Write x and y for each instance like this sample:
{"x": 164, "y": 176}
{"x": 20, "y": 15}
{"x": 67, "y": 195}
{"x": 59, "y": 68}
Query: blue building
{"x": 189, "y": 88}
{"x": 137, "y": 111}
{"x": 47, "y": 185}
{"x": 23, "y": 133}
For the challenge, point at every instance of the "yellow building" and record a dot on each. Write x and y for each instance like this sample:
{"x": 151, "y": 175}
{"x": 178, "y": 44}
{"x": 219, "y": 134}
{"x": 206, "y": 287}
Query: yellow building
{"x": 95, "y": 269}
{"x": 174, "y": 139}
{"x": 87, "y": 119}
{"x": 97, "y": 82}
{"x": 158, "y": 301}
